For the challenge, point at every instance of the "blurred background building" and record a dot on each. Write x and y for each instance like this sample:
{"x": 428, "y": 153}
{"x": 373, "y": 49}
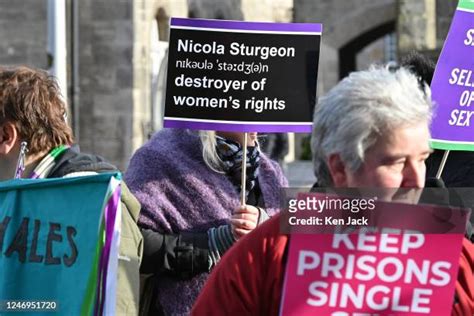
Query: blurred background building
{"x": 116, "y": 52}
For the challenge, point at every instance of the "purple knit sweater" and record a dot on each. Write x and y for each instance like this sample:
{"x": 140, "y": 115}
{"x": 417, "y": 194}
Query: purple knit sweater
{"x": 179, "y": 192}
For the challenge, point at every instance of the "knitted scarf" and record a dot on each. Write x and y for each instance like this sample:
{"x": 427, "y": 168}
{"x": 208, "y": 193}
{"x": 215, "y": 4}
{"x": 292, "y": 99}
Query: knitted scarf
{"x": 231, "y": 153}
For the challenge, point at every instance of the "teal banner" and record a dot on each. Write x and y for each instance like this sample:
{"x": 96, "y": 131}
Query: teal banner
{"x": 51, "y": 236}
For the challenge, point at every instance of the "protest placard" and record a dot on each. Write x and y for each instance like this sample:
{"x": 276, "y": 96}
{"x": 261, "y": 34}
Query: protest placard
{"x": 393, "y": 266}
{"x": 241, "y": 76}
{"x": 58, "y": 244}
{"x": 453, "y": 85}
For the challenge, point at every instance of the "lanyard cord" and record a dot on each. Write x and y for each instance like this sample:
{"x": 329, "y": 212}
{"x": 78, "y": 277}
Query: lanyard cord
{"x": 20, "y": 165}
{"x": 48, "y": 162}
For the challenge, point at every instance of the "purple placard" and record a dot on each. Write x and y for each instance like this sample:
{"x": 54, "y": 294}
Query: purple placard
{"x": 248, "y": 26}
{"x": 453, "y": 87}
{"x": 239, "y": 127}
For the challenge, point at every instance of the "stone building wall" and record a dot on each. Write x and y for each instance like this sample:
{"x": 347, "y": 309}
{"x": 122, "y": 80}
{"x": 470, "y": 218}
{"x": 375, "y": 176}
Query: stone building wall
{"x": 444, "y": 14}
{"x": 105, "y": 73}
{"x": 416, "y": 26}
{"x": 25, "y": 42}
{"x": 106, "y": 78}
{"x": 342, "y": 21}
{"x": 116, "y": 64}
{"x": 164, "y": 10}
{"x": 211, "y": 9}
{"x": 424, "y": 25}
{"x": 268, "y": 10}
{"x": 145, "y": 13}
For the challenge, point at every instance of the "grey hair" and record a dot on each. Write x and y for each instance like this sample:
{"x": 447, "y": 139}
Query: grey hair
{"x": 360, "y": 109}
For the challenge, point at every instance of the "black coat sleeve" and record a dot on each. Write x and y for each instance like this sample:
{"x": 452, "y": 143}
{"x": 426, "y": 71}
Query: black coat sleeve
{"x": 181, "y": 255}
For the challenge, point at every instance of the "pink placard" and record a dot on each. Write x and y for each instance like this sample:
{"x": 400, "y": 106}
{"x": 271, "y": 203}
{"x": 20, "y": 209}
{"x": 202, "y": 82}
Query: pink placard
{"x": 383, "y": 273}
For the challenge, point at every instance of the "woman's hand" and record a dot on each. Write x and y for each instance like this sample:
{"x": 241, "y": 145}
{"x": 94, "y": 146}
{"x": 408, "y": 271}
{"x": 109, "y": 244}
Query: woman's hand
{"x": 244, "y": 220}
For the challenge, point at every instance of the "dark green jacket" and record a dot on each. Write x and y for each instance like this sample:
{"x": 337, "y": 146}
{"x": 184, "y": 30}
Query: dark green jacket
{"x": 131, "y": 241}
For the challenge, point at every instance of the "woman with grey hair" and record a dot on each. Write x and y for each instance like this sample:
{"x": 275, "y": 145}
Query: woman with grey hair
{"x": 189, "y": 183}
{"x": 373, "y": 111}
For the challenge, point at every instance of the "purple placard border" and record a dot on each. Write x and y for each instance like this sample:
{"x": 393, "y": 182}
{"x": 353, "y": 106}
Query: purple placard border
{"x": 240, "y": 127}
{"x": 248, "y": 26}
{"x": 109, "y": 214}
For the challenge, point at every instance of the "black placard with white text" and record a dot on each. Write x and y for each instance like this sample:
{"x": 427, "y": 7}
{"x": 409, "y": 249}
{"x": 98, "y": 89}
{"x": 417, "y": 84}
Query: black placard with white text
{"x": 242, "y": 76}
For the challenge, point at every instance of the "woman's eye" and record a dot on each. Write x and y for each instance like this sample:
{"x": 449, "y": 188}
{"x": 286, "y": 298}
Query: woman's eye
{"x": 397, "y": 164}
{"x": 423, "y": 159}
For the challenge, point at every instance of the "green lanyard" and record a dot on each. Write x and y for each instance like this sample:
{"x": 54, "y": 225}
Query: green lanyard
{"x": 49, "y": 161}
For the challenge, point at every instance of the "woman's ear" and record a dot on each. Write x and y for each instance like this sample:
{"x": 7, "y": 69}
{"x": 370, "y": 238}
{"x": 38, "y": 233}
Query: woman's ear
{"x": 8, "y": 137}
{"x": 337, "y": 169}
